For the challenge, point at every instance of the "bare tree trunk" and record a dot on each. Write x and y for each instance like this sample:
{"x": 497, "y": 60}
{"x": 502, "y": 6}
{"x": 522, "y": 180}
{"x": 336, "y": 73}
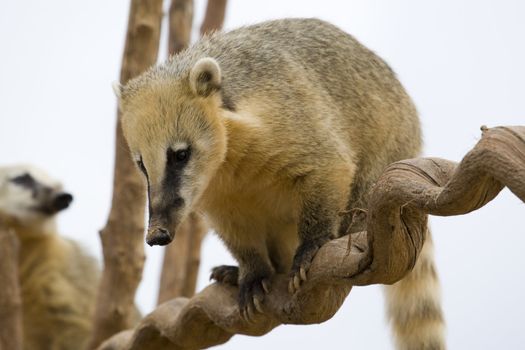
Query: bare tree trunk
{"x": 181, "y": 260}
{"x": 399, "y": 203}
{"x": 10, "y": 300}
{"x": 181, "y": 21}
{"x": 122, "y": 238}
{"x": 182, "y": 257}
{"x": 214, "y": 17}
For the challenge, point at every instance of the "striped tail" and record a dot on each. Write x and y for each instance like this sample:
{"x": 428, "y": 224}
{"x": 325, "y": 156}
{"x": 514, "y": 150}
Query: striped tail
{"x": 414, "y": 306}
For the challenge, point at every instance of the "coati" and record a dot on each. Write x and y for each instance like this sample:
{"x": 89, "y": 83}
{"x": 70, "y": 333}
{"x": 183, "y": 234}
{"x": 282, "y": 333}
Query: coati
{"x": 270, "y": 131}
{"x": 58, "y": 280}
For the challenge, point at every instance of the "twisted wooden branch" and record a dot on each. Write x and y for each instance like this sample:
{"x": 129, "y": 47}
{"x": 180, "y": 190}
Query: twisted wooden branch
{"x": 396, "y": 225}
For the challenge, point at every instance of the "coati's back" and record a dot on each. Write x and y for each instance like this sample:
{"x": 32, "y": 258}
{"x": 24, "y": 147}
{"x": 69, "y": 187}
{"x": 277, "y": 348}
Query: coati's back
{"x": 296, "y": 65}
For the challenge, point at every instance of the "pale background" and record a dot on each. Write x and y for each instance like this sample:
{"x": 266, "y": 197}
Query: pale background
{"x": 463, "y": 62}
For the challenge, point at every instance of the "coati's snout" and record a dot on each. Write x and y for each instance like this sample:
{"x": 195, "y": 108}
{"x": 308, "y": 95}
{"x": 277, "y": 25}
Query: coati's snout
{"x": 158, "y": 236}
{"x": 28, "y": 194}
{"x": 163, "y": 223}
{"x": 167, "y": 206}
{"x": 45, "y": 199}
{"x": 56, "y": 202}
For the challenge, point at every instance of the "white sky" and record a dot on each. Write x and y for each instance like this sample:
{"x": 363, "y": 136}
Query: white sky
{"x": 461, "y": 61}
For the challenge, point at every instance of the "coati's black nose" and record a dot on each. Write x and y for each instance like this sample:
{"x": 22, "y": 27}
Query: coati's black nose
{"x": 61, "y": 201}
{"x": 158, "y": 236}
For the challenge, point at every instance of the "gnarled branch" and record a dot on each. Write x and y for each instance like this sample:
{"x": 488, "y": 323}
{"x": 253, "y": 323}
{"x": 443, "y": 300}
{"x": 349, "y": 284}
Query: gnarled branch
{"x": 396, "y": 225}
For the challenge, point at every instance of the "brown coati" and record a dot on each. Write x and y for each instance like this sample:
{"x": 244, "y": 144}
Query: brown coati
{"x": 270, "y": 131}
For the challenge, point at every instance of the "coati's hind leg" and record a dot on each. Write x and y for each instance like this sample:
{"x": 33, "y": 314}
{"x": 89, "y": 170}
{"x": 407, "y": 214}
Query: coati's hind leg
{"x": 227, "y": 274}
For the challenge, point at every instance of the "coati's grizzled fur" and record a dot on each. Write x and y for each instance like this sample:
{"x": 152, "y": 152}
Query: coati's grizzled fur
{"x": 271, "y": 131}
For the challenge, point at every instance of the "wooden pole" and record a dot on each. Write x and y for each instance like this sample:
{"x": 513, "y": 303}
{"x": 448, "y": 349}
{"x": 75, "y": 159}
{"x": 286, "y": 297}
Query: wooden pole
{"x": 10, "y": 300}
{"x": 180, "y": 23}
{"x": 214, "y": 17}
{"x": 122, "y": 237}
{"x": 181, "y": 260}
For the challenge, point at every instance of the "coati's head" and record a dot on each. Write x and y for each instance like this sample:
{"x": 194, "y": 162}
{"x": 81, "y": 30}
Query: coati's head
{"x": 28, "y": 196}
{"x": 172, "y": 122}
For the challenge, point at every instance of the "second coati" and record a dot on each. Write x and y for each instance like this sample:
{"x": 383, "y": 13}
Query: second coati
{"x": 58, "y": 279}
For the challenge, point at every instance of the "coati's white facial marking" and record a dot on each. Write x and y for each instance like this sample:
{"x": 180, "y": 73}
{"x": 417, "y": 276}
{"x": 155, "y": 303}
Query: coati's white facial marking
{"x": 180, "y": 146}
{"x": 28, "y": 194}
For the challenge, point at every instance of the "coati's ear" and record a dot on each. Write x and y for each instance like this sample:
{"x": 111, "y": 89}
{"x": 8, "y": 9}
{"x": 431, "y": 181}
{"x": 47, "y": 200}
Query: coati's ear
{"x": 205, "y": 77}
{"x": 117, "y": 89}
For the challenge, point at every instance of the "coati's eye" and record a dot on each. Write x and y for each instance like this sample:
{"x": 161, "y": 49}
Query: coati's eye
{"x": 182, "y": 155}
{"x": 178, "y": 158}
{"x": 25, "y": 180}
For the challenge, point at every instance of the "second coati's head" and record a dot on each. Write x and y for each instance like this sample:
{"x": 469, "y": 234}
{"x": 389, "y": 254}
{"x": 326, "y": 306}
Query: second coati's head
{"x": 172, "y": 122}
{"x": 30, "y": 199}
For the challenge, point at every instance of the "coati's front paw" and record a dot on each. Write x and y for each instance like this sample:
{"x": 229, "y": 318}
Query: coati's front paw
{"x": 252, "y": 289}
{"x": 302, "y": 261}
{"x": 226, "y": 274}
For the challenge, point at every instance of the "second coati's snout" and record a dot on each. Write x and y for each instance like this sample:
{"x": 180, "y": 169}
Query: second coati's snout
{"x": 28, "y": 194}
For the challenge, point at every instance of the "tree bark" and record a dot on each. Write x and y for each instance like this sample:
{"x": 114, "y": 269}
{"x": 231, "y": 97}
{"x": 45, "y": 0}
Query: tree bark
{"x": 122, "y": 237}
{"x": 214, "y": 17}
{"x": 10, "y": 299}
{"x": 182, "y": 258}
{"x": 396, "y": 223}
{"x": 180, "y": 23}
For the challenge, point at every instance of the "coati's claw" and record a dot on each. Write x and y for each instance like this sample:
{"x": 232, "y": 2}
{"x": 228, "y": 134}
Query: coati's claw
{"x": 302, "y": 261}
{"x": 291, "y": 288}
{"x": 225, "y": 274}
{"x": 296, "y": 282}
{"x": 258, "y": 304}
{"x": 302, "y": 272}
{"x": 266, "y": 286}
{"x": 249, "y": 313}
{"x": 252, "y": 291}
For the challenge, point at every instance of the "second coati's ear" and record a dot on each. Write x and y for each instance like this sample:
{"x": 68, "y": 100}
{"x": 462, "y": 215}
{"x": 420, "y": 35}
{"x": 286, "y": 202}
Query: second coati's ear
{"x": 205, "y": 77}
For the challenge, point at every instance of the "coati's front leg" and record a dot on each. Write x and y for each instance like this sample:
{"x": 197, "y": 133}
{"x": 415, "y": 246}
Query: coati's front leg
{"x": 253, "y": 275}
{"x": 318, "y": 223}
